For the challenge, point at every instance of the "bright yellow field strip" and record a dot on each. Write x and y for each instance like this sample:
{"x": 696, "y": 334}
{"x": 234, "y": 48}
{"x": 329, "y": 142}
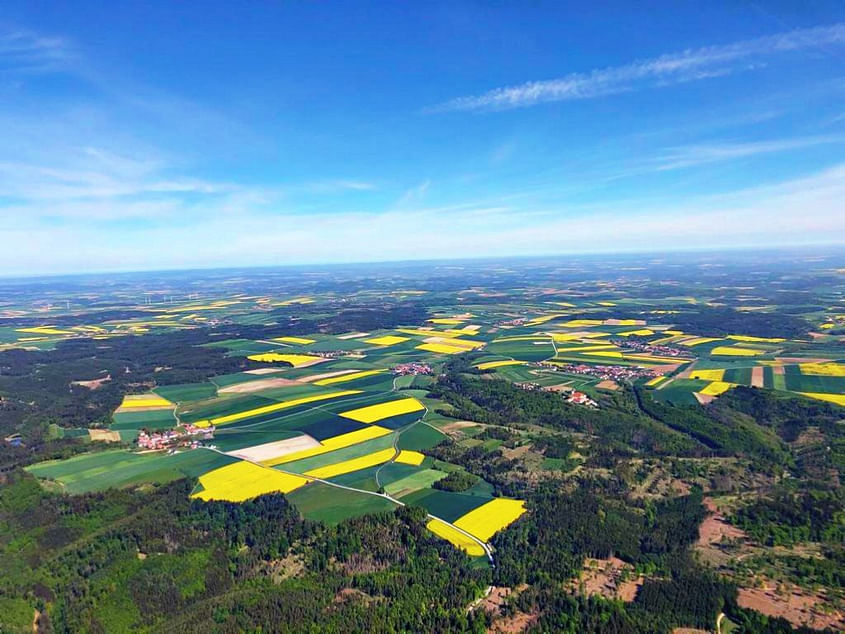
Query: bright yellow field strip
{"x": 440, "y": 348}
{"x": 607, "y": 303}
{"x": 380, "y": 411}
{"x": 622, "y": 322}
{"x": 603, "y": 346}
{"x": 823, "y": 369}
{"x": 44, "y": 330}
{"x": 426, "y": 332}
{"x": 839, "y": 399}
{"x": 655, "y": 381}
{"x": 542, "y": 320}
{"x": 749, "y": 339}
{"x": 447, "y": 321}
{"x": 642, "y": 332}
{"x": 456, "y": 343}
{"x": 455, "y": 537}
{"x": 707, "y": 375}
{"x": 490, "y": 518}
{"x": 330, "y": 444}
{"x": 414, "y": 458}
{"x": 605, "y": 353}
{"x": 716, "y": 387}
{"x": 462, "y": 331}
{"x": 674, "y": 332}
{"x": 244, "y": 480}
{"x": 647, "y": 358}
{"x": 386, "y": 340}
{"x": 578, "y": 323}
{"x": 559, "y": 336}
{"x": 300, "y": 340}
{"x": 144, "y": 400}
{"x": 489, "y": 365}
{"x": 736, "y": 352}
{"x": 266, "y": 409}
{"x": 348, "y": 377}
{"x": 827, "y": 326}
{"x": 295, "y": 360}
{"x": 356, "y": 464}
{"x": 696, "y": 341}
{"x": 564, "y": 304}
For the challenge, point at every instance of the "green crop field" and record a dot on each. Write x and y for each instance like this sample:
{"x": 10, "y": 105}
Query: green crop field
{"x": 324, "y": 503}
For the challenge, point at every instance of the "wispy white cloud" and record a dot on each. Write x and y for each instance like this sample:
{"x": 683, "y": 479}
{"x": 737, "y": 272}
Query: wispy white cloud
{"x": 690, "y": 65}
{"x": 23, "y": 51}
{"x": 692, "y": 155}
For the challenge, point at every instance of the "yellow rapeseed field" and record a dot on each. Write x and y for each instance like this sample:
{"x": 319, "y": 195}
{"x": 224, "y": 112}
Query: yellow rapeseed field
{"x": 347, "y": 377}
{"x": 458, "y": 343}
{"x": 380, "y": 411}
{"x": 489, "y": 365}
{"x": 410, "y": 457}
{"x": 749, "y": 339}
{"x": 578, "y": 323}
{"x": 490, "y": 518}
{"x": 144, "y": 400}
{"x": 839, "y": 399}
{"x": 300, "y": 340}
{"x": 330, "y": 444}
{"x": 440, "y": 348}
{"x": 696, "y": 341}
{"x": 716, "y": 387}
{"x": 605, "y": 353}
{"x": 266, "y": 409}
{"x": 707, "y": 375}
{"x": 823, "y": 369}
{"x": 736, "y": 351}
{"x": 244, "y": 480}
{"x": 295, "y": 360}
{"x": 386, "y": 340}
{"x": 455, "y": 537}
{"x": 536, "y": 321}
{"x": 556, "y": 336}
{"x": 655, "y": 381}
{"x": 355, "y": 464}
{"x": 602, "y": 346}
{"x": 44, "y": 330}
{"x": 642, "y": 332}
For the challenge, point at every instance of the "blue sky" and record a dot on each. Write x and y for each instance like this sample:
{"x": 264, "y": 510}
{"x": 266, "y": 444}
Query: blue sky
{"x": 166, "y": 135}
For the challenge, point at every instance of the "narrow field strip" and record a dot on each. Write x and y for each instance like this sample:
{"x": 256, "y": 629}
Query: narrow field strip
{"x": 330, "y": 444}
{"x": 373, "y": 413}
{"x": 275, "y": 407}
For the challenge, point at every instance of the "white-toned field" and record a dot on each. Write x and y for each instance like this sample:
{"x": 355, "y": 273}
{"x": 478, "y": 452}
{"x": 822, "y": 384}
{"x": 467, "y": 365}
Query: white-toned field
{"x": 275, "y": 449}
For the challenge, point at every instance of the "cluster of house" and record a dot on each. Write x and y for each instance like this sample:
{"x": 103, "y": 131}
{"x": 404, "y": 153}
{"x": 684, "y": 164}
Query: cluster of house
{"x": 605, "y": 372}
{"x": 570, "y": 395}
{"x": 412, "y": 368}
{"x": 184, "y": 436}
